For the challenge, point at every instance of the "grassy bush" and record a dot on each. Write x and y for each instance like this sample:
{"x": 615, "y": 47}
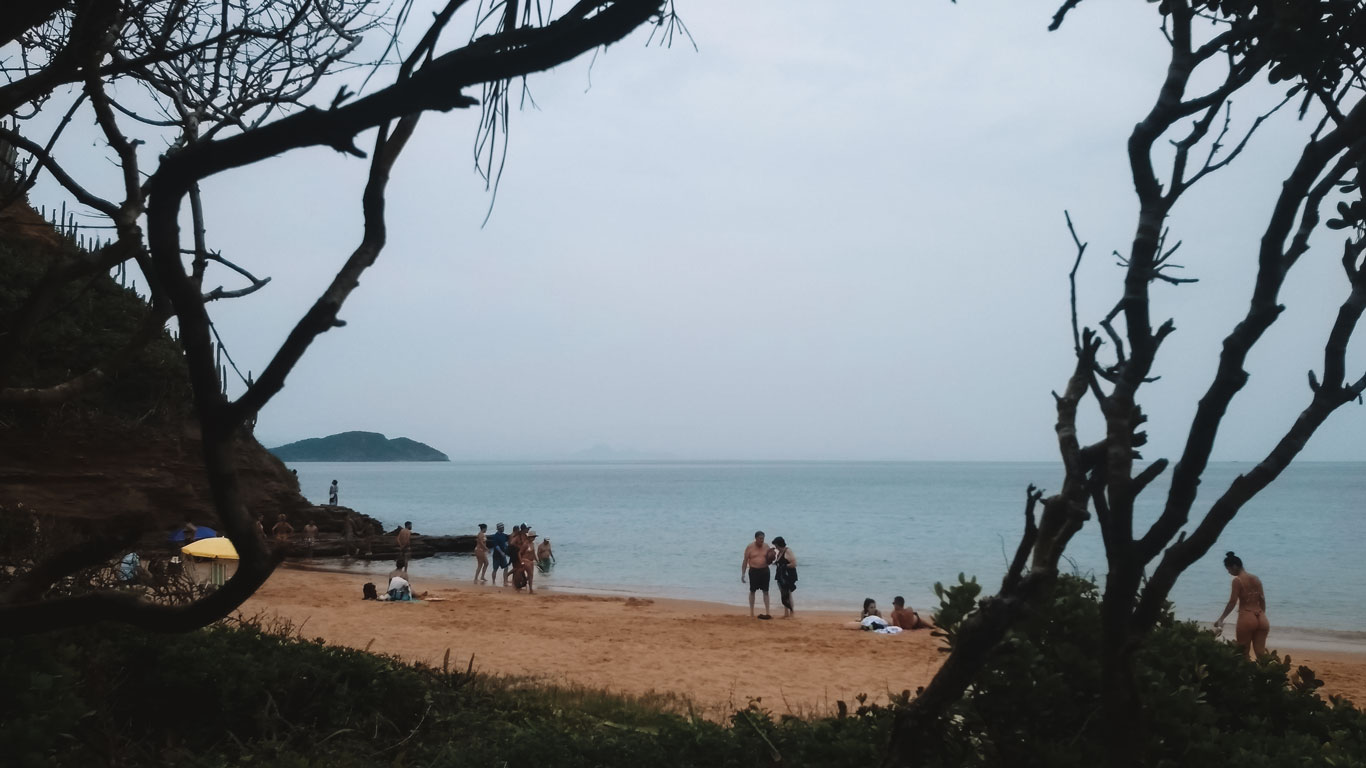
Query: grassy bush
{"x": 1037, "y": 701}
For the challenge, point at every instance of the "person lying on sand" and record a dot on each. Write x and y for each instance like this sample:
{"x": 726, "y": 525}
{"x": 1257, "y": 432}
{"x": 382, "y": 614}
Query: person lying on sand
{"x": 902, "y": 616}
{"x": 870, "y": 611}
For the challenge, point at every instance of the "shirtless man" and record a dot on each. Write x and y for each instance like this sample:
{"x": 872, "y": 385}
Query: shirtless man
{"x": 754, "y": 565}
{"x": 282, "y": 530}
{"x": 405, "y": 539}
{"x": 481, "y": 553}
{"x": 310, "y": 537}
{"x": 545, "y": 556}
{"x": 905, "y": 617}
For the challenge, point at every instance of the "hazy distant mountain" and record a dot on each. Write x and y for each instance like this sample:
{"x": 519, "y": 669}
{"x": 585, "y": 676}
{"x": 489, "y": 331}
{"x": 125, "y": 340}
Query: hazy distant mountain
{"x": 358, "y": 446}
{"x": 604, "y": 452}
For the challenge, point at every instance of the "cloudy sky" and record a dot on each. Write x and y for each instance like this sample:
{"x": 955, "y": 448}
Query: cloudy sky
{"x": 832, "y": 232}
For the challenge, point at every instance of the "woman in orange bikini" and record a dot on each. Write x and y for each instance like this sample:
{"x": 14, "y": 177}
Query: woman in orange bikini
{"x": 1251, "y": 601}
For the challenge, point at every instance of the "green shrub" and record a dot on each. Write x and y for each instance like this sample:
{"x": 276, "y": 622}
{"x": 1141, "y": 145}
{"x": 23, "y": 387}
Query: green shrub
{"x": 1037, "y": 700}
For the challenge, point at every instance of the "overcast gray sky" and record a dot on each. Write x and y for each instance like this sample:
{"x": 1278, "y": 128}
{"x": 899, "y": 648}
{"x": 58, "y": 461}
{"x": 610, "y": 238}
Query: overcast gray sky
{"x": 834, "y": 232}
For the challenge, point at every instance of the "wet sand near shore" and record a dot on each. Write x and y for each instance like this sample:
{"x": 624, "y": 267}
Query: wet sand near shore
{"x": 713, "y": 655}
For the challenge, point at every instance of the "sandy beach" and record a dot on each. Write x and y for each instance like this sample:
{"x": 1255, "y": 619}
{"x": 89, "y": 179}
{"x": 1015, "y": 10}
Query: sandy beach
{"x": 710, "y": 654}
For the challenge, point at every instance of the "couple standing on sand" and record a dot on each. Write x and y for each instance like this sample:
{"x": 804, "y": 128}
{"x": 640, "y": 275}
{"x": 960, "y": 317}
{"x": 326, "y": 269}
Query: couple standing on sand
{"x": 758, "y": 556}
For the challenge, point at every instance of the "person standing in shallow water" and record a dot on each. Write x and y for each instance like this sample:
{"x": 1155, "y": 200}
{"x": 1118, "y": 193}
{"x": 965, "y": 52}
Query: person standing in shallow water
{"x": 1253, "y": 626}
{"x": 785, "y": 573}
{"x": 754, "y": 565}
{"x": 481, "y": 553}
{"x": 498, "y": 544}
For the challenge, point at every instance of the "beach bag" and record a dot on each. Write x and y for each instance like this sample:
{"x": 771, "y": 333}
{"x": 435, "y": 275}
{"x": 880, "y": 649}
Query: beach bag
{"x": 518, "y": 579}
{"x": 368, "y": 591}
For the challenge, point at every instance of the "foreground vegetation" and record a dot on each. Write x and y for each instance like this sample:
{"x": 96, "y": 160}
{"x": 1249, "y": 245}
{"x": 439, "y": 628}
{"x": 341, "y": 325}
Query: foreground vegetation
{"x": 243, "y": 694}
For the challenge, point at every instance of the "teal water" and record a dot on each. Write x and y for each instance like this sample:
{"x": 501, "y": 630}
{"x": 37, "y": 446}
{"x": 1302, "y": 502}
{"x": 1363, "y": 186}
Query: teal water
{"x": 859, "y": 529}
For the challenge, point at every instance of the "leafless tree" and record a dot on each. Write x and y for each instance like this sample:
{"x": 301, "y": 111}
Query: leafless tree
{"x": 227, "y": 84}
{"x": 1218, "y": 49}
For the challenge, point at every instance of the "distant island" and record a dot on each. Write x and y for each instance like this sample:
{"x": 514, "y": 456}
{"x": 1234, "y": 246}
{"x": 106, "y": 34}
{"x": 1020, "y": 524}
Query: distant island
{"x": 358, "y": 446}
{"x": 605, "y": 452}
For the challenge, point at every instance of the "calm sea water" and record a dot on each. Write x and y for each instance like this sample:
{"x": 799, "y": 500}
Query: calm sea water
{"x": 859, "y": 529}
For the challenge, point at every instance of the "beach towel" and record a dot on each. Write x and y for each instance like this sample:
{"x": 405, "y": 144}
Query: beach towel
{"x": 874, "y": 623}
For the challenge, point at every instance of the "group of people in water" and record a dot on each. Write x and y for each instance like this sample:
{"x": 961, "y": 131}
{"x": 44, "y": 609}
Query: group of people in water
{"x": 516, "y": 554}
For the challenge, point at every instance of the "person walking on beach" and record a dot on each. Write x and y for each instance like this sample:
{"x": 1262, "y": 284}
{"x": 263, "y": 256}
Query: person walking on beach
{"x": 785, "y": 573}
{"x": 527, "y": 559}
{"x": 754, "y": 564}
{"x": 405, "y": 539}
{"x": 481, "y": 553}
{"x": 1253, "y": 626}
{"x": 498, "y": 545}
{"x": 332, "y": 494}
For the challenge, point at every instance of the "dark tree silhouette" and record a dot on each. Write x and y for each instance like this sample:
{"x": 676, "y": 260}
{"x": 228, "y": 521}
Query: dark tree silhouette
{"x": 1313, "y": 51}
{"x": 228, "y": 86}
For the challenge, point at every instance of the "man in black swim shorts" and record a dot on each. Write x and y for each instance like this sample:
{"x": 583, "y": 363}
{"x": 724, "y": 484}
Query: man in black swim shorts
{"x": 755, "y": 567}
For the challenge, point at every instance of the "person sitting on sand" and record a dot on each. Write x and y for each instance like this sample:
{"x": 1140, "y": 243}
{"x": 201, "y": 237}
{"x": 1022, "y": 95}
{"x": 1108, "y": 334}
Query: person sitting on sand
{"x": 1253, "y": 626}
{"x": 481, "y": 553}
{"x": 785, "y": 573}
{"x": 498, "y": 544}
{"x": 400, "y": 589}
{"x": 754, "y": 565}
{"x": 400, "y": 568}
{"x": 282, "y": 530}
{"x": 404, "y": 539}
{"x": 904, "y": 617}
{"x": 545, "y": 557}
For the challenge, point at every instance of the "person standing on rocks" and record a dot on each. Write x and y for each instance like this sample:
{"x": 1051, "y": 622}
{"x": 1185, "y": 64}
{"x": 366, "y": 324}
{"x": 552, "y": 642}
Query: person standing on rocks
{"x": 349, "y": 534}
{"x": 282, "y": 530}
{"x": 310, "y": 537}
{"x": 332, "y": 494}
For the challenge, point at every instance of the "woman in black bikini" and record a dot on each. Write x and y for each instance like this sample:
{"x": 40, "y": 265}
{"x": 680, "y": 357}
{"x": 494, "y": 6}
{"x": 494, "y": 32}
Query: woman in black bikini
{"x": 785, "y": 574}
{"x": 1253, "y": 626}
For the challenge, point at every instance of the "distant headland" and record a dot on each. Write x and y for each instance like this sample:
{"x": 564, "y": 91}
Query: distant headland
{"x": 358, "y": 446}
